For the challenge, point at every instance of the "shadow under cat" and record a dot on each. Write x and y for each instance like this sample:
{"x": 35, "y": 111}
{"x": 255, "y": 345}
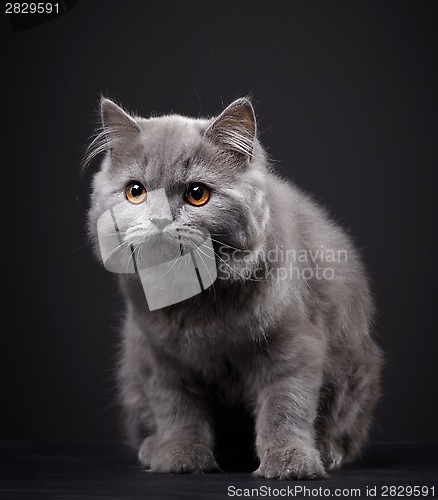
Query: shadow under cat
{"x": 235, "y": 438}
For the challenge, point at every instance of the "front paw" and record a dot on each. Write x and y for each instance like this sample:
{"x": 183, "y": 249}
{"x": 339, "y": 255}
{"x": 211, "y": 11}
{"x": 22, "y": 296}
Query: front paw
{"x": 147, "y": 450}
{"x": 173, "y": 457}
{"x": 292, "y": 462}
{"x": 331, "y": 455}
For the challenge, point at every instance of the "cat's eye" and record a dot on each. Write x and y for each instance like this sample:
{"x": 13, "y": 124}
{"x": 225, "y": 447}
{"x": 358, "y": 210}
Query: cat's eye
{"x": 135, "y": 192}
{"x": 197, "y": 194}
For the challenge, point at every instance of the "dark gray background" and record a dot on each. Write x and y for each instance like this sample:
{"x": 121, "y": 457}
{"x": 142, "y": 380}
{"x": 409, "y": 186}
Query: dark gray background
{"x": 346, "y": 95}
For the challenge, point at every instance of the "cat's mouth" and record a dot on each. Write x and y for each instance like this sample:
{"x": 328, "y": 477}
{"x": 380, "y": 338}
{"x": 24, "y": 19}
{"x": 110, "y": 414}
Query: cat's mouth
{"x": 167, "y": 235}
{"x": 140, "y": 234}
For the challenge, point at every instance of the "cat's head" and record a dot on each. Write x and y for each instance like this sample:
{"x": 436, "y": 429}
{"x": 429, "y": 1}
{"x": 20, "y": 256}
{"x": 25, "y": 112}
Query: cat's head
{"x": 213, "y": 173}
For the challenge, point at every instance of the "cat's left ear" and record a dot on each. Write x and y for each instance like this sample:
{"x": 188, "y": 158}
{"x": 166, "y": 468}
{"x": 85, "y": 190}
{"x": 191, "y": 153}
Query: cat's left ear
{"x": 235, "y": 129}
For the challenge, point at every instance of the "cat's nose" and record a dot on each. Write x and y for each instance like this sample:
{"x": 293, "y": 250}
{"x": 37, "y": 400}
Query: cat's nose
{"x": 160, "y": 224}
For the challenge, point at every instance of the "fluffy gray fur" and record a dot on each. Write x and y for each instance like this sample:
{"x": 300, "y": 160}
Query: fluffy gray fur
{"x": 297, "y": 351}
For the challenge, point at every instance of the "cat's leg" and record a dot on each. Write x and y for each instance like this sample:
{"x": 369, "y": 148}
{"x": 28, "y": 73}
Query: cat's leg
{"x": 286, "y": 410}
{"x": 168, "y": 422}
{"x": 139, "y": 419}
{"x": 346, "y": 406}
{"x": 134, "y": 369}
{"x": 184, "y": 438}
{"x": 345, "y": 427}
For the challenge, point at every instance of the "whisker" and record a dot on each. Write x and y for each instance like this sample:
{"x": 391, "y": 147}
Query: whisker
{"x": 131, "y": 256}
{"x": 193, "y": 230}
{"x": 205, "y": 265}
{"x": 118, "y": 248}
{"x": 175, "y": 260}
{"x": 179, "y": 266}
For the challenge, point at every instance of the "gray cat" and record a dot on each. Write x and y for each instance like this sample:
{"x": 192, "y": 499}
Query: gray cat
{"x": 285, "y": 327}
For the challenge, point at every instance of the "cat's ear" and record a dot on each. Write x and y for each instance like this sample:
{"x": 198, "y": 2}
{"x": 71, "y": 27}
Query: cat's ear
{"x": 120, "y": 128}
{"x": 235, "y": 129}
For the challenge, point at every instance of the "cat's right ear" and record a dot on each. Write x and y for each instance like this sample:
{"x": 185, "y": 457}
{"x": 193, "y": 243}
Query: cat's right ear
{"x": 118, "y": 134}
{"x": 120, "y": 129}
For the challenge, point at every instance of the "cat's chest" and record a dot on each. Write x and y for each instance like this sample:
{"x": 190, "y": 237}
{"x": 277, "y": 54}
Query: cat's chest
{"x": 203, "y": 333}
{"x": 213, "y": 348}
{"x": 218, "y": 356}
{"x": 223, "y": 349}
{"x": 222, "y": 375}
{"x": 224, "y": 363}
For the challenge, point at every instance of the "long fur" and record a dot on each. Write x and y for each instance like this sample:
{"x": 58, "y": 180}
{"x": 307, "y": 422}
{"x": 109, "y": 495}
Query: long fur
{"x": 297, "y": 350}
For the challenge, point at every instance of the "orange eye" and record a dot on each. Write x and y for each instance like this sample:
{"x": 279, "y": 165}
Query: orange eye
{"x": 197, "y": 194}
{"x": 135, "y": 192}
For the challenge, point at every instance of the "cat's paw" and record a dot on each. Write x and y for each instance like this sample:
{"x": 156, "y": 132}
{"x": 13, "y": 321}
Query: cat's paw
{"x": 146, "y": 451}
{"x": 182, "y": 457}
{"x": 332, "y": 457}
{"x": 292, "y": 462}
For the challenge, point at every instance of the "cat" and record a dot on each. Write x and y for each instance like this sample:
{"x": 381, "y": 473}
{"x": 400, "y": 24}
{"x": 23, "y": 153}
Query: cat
{"x": 294, "y": 346}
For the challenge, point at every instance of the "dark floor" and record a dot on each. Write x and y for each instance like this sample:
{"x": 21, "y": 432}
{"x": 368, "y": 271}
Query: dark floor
{"x": 105, "y": 471}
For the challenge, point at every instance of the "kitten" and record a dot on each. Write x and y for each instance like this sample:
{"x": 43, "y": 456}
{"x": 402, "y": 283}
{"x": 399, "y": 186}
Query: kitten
{"x": 285, "y": 327}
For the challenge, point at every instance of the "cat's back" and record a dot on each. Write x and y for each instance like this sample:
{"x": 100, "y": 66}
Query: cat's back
{"x": 328, "y": 269}
{"x": 304, "y": 221}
